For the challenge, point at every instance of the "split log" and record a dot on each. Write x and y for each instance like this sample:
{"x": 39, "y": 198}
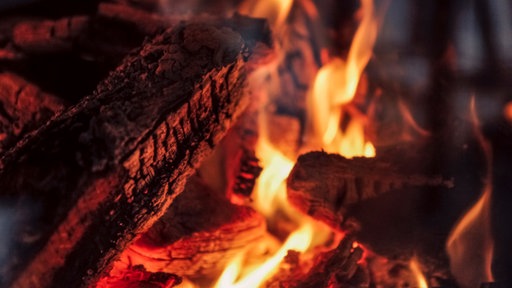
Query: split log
{"x": 197, "y": 237}
{"x": 84, "y": 185}
{"x": 325, "y": 185}
{"x": 23, "y": 108}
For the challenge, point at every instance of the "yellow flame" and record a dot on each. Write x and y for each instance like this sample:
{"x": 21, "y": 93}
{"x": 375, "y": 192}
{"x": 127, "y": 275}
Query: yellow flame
{"x": 470, "y": 244}
{"x": 275, "y": 11}
{"x": 298, "y": 241}
{"x": 335, "y": 85}
{"x": 414, "y": 265}
{"x": 270, "y": 188}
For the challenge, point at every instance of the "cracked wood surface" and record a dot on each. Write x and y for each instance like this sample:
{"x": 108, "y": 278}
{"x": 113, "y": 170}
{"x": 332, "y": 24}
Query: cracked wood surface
{"x": 325, "y": 185}
{"x": 198, "y": 235}
{"x": 84, "y": 185}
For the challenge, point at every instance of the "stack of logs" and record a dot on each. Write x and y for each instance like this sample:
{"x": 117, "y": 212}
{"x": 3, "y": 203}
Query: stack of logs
{"x": 97, "y": 181}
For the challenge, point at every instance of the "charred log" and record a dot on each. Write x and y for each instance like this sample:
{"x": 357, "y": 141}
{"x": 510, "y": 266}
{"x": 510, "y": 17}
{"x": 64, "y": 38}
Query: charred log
{"x": 325, "y": 185}
{"x": 197, "y": 236}
{"x": 23, "y": 108}
{"x": 90, "y": 180}
{"x": 336, "y": 268}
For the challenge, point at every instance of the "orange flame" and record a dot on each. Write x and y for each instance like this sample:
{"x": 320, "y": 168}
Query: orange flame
{"x": 275, "y": 11}
{"x": 507, "y": 111}
{"x": 470, "y": 244}
{"x": 270, "y": 190}
{"x": 414, "y": 265}
{"x": 298, "y": 241}
{"x": 335, "y": 85}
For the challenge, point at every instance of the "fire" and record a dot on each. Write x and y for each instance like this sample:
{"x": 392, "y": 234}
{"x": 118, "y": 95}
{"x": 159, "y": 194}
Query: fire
{"x": 298, "y": 241}
{"x": 470, "y": 244}
{"x": 270, "y": 189}
{"x": 414, "y": 265}
{"x": 275, "y": 11}
{"x": 335, "y": 86}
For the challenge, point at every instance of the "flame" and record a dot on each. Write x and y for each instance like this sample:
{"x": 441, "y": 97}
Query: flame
{"x": 275, "y": 11}
{"x": 270, "y": 189}
{"x": 414, "y": 265}
{"x": 470, "y": 244}
{"x": 507, "y": 111}
{"x": 335, "y": 86}
{"x": 298, "y": 241}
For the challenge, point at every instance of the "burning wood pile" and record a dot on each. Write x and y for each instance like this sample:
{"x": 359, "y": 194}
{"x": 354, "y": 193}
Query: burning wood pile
{"x": 151, "y": 143}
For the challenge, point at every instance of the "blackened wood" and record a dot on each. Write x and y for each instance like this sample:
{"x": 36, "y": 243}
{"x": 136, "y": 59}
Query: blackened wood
{"x": 146, "y": 22}
{"x": 335, "y": 268}
{"x": 249, "y": 171}
{"x": 23, "y": 108}
{"x": 49, "y": 35}
{"x": 325, "y": 185}
{"x": 91, "y": 37}
{"x": 89, "y": 181}
{"x": 198, "y": 235}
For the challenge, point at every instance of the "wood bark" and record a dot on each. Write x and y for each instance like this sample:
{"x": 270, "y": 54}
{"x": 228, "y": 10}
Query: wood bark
{"x": 197, "y": 236}
{"x": 102, "y": 172}
{"x": 324, "y": 185}
{"x": 23, "y": 108}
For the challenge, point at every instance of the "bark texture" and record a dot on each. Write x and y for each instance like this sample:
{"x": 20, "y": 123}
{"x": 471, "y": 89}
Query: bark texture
{"x": 325, "y": 185}
{"x": 197, "y": 236}
{"x": 84, "y": 185}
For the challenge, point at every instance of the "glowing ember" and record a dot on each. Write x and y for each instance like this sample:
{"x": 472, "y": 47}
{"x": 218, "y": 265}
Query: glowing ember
{"x": 470, "y": 244}
{"x": 335, "y": 85}
{"x": 421, "y": 282}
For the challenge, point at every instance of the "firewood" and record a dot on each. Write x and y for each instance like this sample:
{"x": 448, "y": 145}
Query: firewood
{"x": 325, "y": 185}
{"x": 146, "y": 22}
{"x": 24, "y": 107}
{"x": 197, "y": 236}
{"x": 49, "y": 35}
{"x": 112, "y": 32}
{"x": 105, "y": 170}
{"x": 336, "y": 268}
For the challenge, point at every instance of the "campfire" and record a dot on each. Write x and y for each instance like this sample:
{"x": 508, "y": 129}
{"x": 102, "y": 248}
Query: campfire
{"x": 255, "y": 143}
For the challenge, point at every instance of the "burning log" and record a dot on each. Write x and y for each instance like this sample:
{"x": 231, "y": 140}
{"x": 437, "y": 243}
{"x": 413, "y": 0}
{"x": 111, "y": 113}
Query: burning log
{"x": 24, "y": 107}
{"x": 198, "y": 235}
{"x": 88, "y": 182}
{"x": 325, "y": 185}
{"x": 336, "y": 268}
